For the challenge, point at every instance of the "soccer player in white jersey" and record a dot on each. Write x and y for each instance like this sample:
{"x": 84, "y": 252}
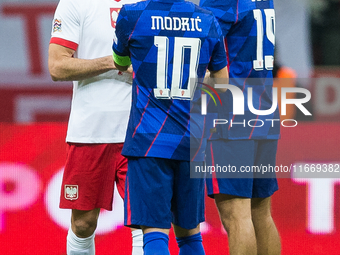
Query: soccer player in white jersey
{"x": 80, "y": 51}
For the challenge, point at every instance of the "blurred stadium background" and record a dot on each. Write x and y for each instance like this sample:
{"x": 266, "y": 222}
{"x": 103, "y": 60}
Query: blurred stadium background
{"x": 33, "y": 121}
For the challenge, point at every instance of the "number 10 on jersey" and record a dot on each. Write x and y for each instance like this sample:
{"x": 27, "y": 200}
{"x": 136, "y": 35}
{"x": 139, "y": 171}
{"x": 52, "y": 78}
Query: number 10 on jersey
{"x": 180, "y": 44}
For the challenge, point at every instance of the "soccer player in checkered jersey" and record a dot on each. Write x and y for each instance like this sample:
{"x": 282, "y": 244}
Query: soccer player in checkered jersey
{"x": 243, "y": 199}
{"x": 170, "y": 43}
{"x": 80, "y": 51}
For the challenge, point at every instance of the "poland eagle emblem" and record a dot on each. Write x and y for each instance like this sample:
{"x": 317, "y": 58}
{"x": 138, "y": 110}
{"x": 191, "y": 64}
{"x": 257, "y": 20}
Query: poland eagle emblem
{"x": 71, "y": 192}
{"x": 114, "y": 15}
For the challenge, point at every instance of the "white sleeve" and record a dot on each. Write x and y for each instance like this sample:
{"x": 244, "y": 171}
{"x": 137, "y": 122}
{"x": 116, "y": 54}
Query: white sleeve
{"x": 67, "y": 24}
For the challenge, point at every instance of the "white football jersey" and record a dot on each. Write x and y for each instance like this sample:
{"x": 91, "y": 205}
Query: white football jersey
{"x": 100, "y": 105}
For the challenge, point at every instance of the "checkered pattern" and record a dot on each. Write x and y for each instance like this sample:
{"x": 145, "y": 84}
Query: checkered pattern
{"x": 161, "y": 127}
{"x": 237, "y": 21}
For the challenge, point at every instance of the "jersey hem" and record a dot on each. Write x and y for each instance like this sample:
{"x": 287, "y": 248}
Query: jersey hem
{"x": 218, "y": 66}
{"x": 63, "y": 42}
{"x": 131, "y": 155}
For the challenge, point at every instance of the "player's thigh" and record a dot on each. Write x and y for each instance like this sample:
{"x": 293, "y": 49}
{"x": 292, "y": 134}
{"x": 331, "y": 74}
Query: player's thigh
{"x": 232, "y": 172}
{"x": 149, "y": 189}
{"x": 89, "y": 176}
{"x": 188, "y": 196}
{"x": 265, "y": 182}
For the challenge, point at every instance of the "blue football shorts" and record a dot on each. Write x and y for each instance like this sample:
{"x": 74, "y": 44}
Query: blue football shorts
{"x": 160, "y": 192}
{"x": 243, "y": 168}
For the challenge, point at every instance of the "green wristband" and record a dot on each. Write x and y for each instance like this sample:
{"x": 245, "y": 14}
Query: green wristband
{"x": 122, "y": 61}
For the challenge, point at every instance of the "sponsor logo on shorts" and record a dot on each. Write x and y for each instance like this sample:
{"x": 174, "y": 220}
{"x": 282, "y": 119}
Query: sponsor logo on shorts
{"x": 71, "y": 192}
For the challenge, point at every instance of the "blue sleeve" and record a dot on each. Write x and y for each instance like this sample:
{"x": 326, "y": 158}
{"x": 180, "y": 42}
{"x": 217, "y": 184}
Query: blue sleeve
{"x": 121, "y": 43}
{"x": 225, "y": 12}
{"x": 219, "y": 56}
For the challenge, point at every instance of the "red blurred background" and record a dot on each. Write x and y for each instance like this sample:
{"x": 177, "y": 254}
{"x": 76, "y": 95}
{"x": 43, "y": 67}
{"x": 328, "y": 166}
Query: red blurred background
{"x": 32, "y": 158}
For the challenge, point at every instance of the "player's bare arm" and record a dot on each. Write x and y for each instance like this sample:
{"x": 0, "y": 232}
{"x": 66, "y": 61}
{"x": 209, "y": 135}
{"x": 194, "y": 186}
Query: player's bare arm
{"x": 220, "y": 76}
{"x": 223, "y": 73}
{"x": 64, "y": 67}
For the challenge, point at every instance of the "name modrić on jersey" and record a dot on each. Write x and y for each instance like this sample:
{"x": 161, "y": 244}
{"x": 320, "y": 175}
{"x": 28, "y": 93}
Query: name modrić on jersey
{"x": 176, "y": 23}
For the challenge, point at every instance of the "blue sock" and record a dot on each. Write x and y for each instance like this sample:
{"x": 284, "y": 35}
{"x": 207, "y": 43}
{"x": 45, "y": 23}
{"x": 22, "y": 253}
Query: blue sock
{"x": 191, "y": 245}
{"x": 156, "y": 243}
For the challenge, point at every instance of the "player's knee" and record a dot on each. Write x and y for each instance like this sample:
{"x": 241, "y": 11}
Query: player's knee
{"x": 235, "y": 219}
{"x": 262, "y": 221}
{"x": 261, "y": 217}
{"x": 182, "y": 232}
{"x": 84, "y": 227}
{"x": 235, "y": 213}
{"x": 260, "y": 209}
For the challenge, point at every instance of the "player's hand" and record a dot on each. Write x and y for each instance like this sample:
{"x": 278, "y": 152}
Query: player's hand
{"x": 129, "y": 70}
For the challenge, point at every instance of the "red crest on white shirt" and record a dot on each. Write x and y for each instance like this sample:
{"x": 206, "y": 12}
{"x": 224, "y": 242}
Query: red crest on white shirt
{"x": 114, "y": 15}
